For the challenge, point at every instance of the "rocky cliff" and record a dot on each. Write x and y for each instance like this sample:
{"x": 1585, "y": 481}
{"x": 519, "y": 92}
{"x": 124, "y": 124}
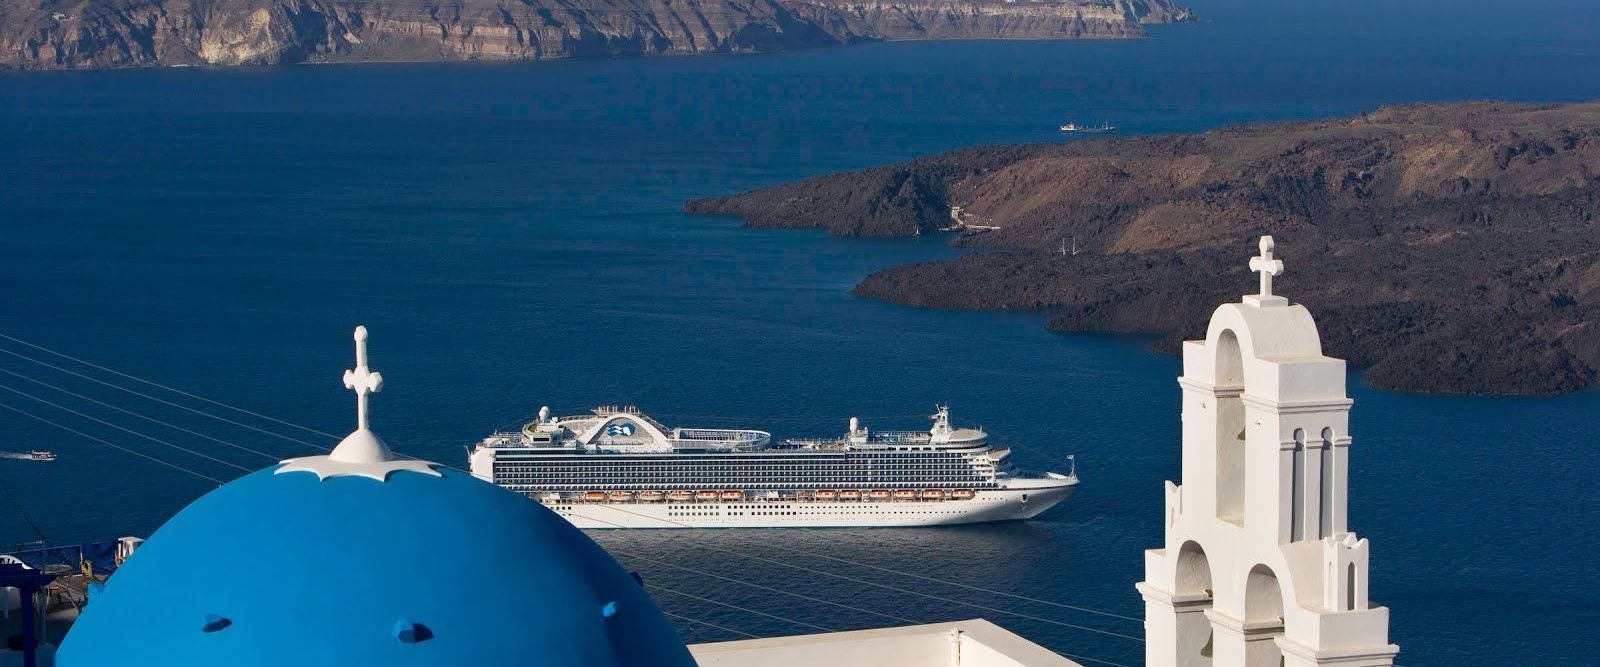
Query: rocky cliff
{"x": 66, "y": 34}
{"x": 1448, "y": 248}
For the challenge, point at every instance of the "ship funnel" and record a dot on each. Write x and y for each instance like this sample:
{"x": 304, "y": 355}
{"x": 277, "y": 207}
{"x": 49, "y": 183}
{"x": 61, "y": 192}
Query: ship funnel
{"x": 544, "y": 413}
{"x": 855, "y": 424}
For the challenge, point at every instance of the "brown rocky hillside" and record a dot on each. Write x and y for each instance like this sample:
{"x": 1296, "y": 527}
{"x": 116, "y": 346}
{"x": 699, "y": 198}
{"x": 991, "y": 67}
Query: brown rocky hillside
{"x": 1448, "y": 248}
{"x": 74, "y": 34}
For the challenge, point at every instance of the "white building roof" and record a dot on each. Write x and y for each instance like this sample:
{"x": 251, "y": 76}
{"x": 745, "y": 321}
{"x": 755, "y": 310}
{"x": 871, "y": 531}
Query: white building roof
{"x": 972, "y": 643}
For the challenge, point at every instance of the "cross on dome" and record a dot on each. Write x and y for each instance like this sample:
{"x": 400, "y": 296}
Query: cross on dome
{"x": 1267, "y": 267}
{"x": 362, "y": 453}
{"x": 362, "y": 380}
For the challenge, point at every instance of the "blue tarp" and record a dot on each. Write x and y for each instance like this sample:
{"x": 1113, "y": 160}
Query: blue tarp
{"x": 103, "y": 555}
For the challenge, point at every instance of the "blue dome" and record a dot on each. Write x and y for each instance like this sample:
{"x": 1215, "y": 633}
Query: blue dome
{"x": 293, "y": 569}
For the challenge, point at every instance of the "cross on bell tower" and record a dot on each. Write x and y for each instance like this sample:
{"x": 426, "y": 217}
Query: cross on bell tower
{"x": 362, "y": 380}
{"x": 1268, "y": 267}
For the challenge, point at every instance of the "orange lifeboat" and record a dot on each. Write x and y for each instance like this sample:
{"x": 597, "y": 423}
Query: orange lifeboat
{"x": 933, "y": 494}
{"x": 826, "y": 495}
{"x": 802, "y": 496}
{"x": 594, "y": 496}
{"x": 849, "y": 495}
{"x": 905, "y": 494}
{"x": 651, "y": 496}
{"x": 878, "y": 494}
{"x": 705, "y": 495}
{"x": 732, "y": 495}
{"x": 621, "y": 496}
{"x": 962, "y": 494}
{"x": 680, "y": 496}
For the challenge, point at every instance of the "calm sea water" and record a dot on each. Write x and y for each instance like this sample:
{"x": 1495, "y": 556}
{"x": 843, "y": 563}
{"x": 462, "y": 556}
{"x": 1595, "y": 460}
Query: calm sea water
{"x": 512, "y": 236}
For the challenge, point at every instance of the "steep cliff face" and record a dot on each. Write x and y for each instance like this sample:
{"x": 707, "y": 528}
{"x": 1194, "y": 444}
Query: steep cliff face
{"x": 1447, "y": 248}
{"x": 66, "y": 34}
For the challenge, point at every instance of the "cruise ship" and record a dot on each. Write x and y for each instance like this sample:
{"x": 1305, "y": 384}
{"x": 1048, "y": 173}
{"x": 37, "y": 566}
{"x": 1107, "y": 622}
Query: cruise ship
{"x": 618, "y": 468}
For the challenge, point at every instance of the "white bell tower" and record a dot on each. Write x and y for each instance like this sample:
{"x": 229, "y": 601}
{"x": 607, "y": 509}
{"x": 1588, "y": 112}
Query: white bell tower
{"x": 1259, "y": 568}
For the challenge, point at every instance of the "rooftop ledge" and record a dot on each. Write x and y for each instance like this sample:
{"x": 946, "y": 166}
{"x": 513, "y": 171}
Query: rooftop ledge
{"x": 971, "y": 643}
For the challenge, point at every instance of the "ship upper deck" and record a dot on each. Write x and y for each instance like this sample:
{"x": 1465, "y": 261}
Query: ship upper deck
{"x": 626, "y": 430}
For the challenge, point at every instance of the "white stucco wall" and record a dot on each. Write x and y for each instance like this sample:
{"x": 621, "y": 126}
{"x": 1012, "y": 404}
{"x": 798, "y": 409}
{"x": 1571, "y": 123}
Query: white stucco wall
{"x": 972, "y": 643}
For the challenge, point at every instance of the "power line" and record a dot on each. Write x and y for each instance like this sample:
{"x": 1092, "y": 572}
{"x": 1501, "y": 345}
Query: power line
{"x": 1080, "y": 658}
{"x": 891, "y": 617}
{"x": 904, "y": 590}
{"x": 181, "y": 407}
{"x": 938, "y": 597}
{"x": 807, "y": 597}
{"x": 108, "y": 443}
{"x": 676, "y": 592}
{"x": 135, "y": 414}
{"x": 968, "y": 587}
{"x": 174, "y": 390}
{"x": 709, "y": 624}
{"x": 17, "y": 505}
{"x": 746, "y": 610}
{"x": 158, "y": 400}
{"x": 130, "y": 431}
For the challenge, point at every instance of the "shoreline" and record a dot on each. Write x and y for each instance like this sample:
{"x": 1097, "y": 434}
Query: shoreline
{"x": 265, "y": 33}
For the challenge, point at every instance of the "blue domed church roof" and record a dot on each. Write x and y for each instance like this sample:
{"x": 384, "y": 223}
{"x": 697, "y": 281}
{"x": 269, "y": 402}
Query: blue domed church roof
{"x": 357, "y": 558}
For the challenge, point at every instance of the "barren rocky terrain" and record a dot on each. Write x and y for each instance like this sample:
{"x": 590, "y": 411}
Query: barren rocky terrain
{"x": 1446, "y": 248}
{"x": 77, "y": 34}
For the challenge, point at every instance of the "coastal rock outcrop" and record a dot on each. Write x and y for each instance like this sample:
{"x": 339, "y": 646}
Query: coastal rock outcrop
{"x": 74, "y": 34}
{"x": 1446, "y": 248}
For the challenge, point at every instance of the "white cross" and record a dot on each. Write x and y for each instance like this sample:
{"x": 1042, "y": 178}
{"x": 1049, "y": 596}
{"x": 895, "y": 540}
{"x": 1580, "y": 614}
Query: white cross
{"x": 361, "y": 380}
{"x": 1266, "y": 266}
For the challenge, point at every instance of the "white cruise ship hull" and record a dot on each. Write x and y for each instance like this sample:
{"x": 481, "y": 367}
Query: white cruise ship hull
{"x": 985, "y": 506}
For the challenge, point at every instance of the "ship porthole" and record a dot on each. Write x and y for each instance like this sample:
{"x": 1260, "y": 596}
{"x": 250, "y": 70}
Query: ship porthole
{"x": 1024, "y": 497}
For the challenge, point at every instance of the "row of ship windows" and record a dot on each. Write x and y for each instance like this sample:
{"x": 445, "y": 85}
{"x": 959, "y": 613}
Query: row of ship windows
{"x": 590, "y": 472}
{"x": 802, "y": 466}
{"x": 734, "y": 474}
{"x": 679, "y": 460}
{"x": 674, "y": 514}
{"x": 740, "y": 483}
{"x": 537, "y": 488}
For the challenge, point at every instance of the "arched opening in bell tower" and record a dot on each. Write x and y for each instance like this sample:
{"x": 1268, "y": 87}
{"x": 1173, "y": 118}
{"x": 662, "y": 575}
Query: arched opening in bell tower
{"x": 1230, "y": 436}
{"x": 1350, "y": 588}
{"x": 1196, "y": 642}
{"x": 1263, "y": 615}
{"x": 1325, "y": 501}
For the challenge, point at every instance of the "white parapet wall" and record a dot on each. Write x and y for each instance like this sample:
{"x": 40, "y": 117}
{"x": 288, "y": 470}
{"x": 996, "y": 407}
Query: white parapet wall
{"x": 972, "y": 643}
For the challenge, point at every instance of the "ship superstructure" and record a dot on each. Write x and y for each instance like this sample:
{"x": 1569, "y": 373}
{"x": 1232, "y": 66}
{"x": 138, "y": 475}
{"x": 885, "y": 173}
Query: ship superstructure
{"x": 618, "y": 468}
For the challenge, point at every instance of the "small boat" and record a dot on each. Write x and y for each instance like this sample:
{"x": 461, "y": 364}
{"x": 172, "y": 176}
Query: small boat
{"x": 705, "y": 495}
{"x": 680, "y": 496}
{"x": 962, "y": 494}
{"x": 594, "y": 496}
{"x": 1088, "y": 129}
{"x": 651, "y": 496}
{"x": 933, "y": 494}
{"x": 879, "y": 494}
{"x": 41, "y": 455}
{"x": 904, "y": 494}
{"x": 733, "y": 495}
{"x": 621, "y": 496}
{"x": 826, "y": 495}
{"x": 802, "y": 496}
{"x": 550, "y": 497}
{"x": 849, "y": 495}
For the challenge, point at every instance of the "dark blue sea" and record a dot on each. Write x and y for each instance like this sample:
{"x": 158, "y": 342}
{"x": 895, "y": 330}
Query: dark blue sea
{"x": 513, "y": 236}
